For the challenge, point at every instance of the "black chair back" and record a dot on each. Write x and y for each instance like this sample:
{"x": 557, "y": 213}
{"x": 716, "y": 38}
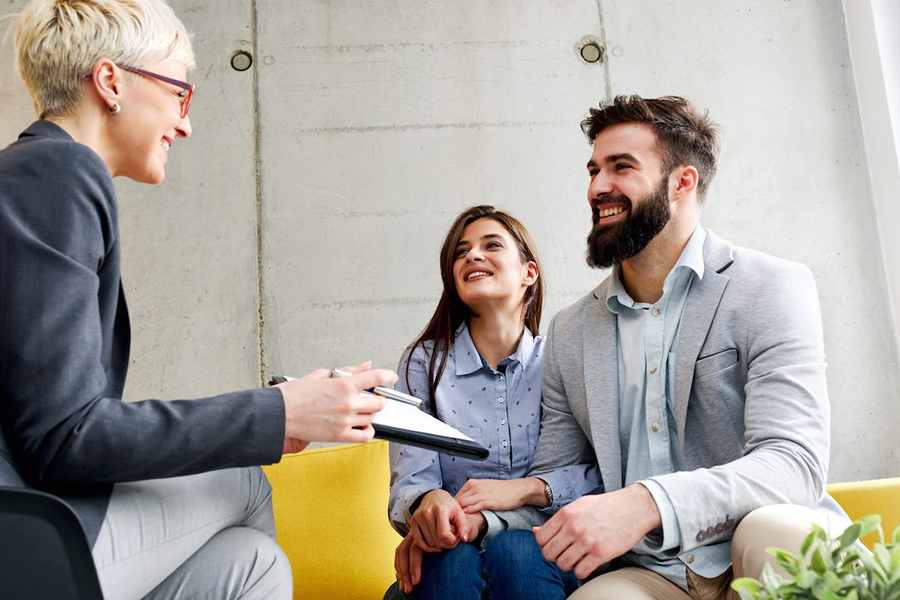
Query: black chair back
{"x": 45, "y": 552}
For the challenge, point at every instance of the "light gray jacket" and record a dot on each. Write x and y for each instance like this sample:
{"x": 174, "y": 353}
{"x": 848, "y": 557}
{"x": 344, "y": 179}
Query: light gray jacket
{"x": 751, "y": 403}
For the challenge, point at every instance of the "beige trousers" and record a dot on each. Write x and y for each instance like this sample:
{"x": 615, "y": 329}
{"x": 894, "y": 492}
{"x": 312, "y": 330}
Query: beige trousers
{"x": 781, "y": 525}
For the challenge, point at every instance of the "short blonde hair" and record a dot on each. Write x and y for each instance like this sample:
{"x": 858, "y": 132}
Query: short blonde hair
{"x": 59, "y": 41}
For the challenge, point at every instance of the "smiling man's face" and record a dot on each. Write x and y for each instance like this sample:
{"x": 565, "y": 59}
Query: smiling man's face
{"x": 628, "y": 193}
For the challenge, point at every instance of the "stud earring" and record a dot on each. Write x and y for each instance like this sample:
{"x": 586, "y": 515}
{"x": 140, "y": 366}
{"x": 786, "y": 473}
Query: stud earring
{"x": 115, "y": 108}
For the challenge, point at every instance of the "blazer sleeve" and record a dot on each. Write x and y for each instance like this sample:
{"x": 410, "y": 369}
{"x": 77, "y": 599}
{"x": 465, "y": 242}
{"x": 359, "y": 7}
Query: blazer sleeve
{"x": 56, "y": 235}
{"x": 414, "y": 471}
{"x": 786, "y": 418}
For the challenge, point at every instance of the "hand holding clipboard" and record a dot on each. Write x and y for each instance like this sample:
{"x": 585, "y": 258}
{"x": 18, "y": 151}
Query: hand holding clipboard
{"x": 402, "y": 421}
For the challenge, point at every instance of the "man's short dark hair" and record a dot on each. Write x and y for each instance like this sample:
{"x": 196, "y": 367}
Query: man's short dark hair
{"x": 684, "y": 135}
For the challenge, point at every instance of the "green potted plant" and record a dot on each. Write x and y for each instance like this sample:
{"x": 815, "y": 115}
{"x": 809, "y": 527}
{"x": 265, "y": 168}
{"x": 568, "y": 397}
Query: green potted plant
{"x": 831, "y": 569}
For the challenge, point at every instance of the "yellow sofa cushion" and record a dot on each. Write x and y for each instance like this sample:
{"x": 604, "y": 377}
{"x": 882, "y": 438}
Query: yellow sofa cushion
{"x": 861, "y": 498}
{"x": 331, "y": 517}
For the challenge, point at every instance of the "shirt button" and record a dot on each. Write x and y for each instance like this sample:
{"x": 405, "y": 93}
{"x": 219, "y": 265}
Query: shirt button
{"x": 655, "y": 428}
{"x": 500, "y": 399}
{"x": 652, "y": 370}
{"x": 503, "y": 421}
{"x": 689, "y": 559}
{"x": 655, "y": 311}
{"x": 504, "y": 444}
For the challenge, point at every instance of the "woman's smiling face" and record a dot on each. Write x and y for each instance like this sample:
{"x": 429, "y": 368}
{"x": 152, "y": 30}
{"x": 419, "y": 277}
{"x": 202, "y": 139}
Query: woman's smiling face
{"x": 488, "y": 266}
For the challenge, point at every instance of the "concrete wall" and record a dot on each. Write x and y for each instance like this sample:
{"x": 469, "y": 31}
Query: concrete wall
{"x": 873, "y": 31}
{"x": 338, "y": 164}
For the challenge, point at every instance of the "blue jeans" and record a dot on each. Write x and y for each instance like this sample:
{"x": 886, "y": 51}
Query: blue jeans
{"x": 510, "y": 567}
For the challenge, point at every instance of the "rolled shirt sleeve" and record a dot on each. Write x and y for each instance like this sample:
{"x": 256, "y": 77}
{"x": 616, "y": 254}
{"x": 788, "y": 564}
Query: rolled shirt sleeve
{"x": 569, "y": 484}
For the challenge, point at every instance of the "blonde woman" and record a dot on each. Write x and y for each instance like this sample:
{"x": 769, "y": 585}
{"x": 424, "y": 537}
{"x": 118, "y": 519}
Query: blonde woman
{"x": 167, "y": 491}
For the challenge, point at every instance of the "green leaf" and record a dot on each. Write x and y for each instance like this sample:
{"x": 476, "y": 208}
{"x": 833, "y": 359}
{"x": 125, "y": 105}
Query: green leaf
{"x": 850, "y": 535}
{"x": 819, "y": 533}
{"x": 805, "y": 579}
{"x": 869, "y": 524}
{"x": 747, "y": 588}
{"x": 769, "y": 579}
{"x": 818, "y": 563}
{"x": 788, "y": 562}
{"x": 807, "y": 542}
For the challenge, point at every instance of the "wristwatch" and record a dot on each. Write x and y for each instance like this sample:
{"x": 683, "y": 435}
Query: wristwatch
{"x": 548, "y": 492}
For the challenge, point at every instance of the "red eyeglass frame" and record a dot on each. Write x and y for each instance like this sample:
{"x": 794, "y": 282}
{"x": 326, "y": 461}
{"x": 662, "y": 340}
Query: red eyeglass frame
{"x": 188, "y": 87}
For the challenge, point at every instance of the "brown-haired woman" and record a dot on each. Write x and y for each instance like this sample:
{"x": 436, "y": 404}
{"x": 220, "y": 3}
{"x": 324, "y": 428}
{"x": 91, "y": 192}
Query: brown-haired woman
{"x": 477, "y": 366}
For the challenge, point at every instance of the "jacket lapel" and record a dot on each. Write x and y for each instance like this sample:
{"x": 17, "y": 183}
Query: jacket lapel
{"x": 699, "y": 310}
{"x": 601, "y": 383}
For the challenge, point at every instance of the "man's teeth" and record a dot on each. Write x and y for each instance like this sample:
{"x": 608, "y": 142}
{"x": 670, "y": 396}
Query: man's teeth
{"x": 608, "y": 212}
{"x": 477, "y": 275}
{"x": 165, "y": 144}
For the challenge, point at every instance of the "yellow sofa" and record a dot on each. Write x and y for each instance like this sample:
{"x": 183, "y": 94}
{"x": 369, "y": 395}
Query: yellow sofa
{"x": 331, "y": 515}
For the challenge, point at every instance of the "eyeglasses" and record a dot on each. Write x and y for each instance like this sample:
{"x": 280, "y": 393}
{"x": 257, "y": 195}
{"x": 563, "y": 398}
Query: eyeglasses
{"x": 187, "y": 87}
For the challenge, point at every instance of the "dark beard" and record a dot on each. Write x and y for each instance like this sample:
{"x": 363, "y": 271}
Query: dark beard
{"x": 612, "y": 244}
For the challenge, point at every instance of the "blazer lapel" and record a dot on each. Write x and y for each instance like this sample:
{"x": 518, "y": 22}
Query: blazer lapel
{"x": 699, "y": 310}
{"x": 601, "y": 384}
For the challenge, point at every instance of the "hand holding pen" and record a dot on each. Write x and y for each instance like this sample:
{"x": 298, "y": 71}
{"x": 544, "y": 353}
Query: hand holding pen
{"x": 321, "y": 408}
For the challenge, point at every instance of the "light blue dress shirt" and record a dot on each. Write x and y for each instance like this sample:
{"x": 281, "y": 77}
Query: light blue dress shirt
{"x": 646, "y": 409}
{"x": 500, "y": 408}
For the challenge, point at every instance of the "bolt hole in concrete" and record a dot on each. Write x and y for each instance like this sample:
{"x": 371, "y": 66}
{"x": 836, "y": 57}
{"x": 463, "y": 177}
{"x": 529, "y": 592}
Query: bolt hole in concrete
{"x": 241, "y": 60}
{"x": 590, "y": 50}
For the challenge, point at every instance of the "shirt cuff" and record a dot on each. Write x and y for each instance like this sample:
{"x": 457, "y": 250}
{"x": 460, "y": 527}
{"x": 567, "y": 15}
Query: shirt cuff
{"x": 561, "y": 485}
{"x": 671, "y": 534}
{"x": 495, "y": 525}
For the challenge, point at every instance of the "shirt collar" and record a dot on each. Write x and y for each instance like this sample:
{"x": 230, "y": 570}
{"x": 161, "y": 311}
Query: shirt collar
{"x": 691, "y": 259}
{"x": 468, "y": 360}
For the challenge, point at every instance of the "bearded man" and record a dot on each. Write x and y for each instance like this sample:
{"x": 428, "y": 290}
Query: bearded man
{"x": 694, "y": 375}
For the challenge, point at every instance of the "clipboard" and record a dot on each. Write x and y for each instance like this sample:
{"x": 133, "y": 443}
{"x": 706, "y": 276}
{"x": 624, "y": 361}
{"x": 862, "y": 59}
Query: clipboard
{"x": 406, "y": 424}
{"x": 403, "y": 422}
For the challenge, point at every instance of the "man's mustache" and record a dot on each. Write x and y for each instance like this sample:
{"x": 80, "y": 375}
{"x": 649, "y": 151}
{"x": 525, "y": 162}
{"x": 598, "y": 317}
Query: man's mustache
{"x": 620, "y": 198}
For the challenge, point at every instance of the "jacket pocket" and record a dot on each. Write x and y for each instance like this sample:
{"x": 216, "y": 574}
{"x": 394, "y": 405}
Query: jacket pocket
{"x": 715, "y": 363}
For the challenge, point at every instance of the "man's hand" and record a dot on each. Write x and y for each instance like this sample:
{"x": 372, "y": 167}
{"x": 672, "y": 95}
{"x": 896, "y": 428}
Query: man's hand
{"x": 323, "y": 409}
{"x": 439, "y": 521}
{"x": 594, "y": 530}
{"x": 501, "y": 494}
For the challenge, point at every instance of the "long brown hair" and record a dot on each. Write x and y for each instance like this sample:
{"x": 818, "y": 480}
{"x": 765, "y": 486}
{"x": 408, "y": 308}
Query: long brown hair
{"x": 451, "y": 311}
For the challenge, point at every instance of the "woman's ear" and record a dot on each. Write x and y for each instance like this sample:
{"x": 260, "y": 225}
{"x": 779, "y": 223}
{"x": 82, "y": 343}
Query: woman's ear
{"x": 107, "y": 82}
{"x": 531, "y": 273}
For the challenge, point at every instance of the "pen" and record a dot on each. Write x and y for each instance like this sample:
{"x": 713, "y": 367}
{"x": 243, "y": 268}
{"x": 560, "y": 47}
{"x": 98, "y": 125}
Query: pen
{"x": 383, "y": 391}
{"x": 378, "y": 391}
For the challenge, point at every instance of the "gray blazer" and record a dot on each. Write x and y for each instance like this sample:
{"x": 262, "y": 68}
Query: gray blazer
{"x": 64, "y": 342}
{"x": 751, "y": 403}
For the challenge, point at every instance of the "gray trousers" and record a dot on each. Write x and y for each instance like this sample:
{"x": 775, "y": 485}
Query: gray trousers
{"x": 210, "y": 535}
